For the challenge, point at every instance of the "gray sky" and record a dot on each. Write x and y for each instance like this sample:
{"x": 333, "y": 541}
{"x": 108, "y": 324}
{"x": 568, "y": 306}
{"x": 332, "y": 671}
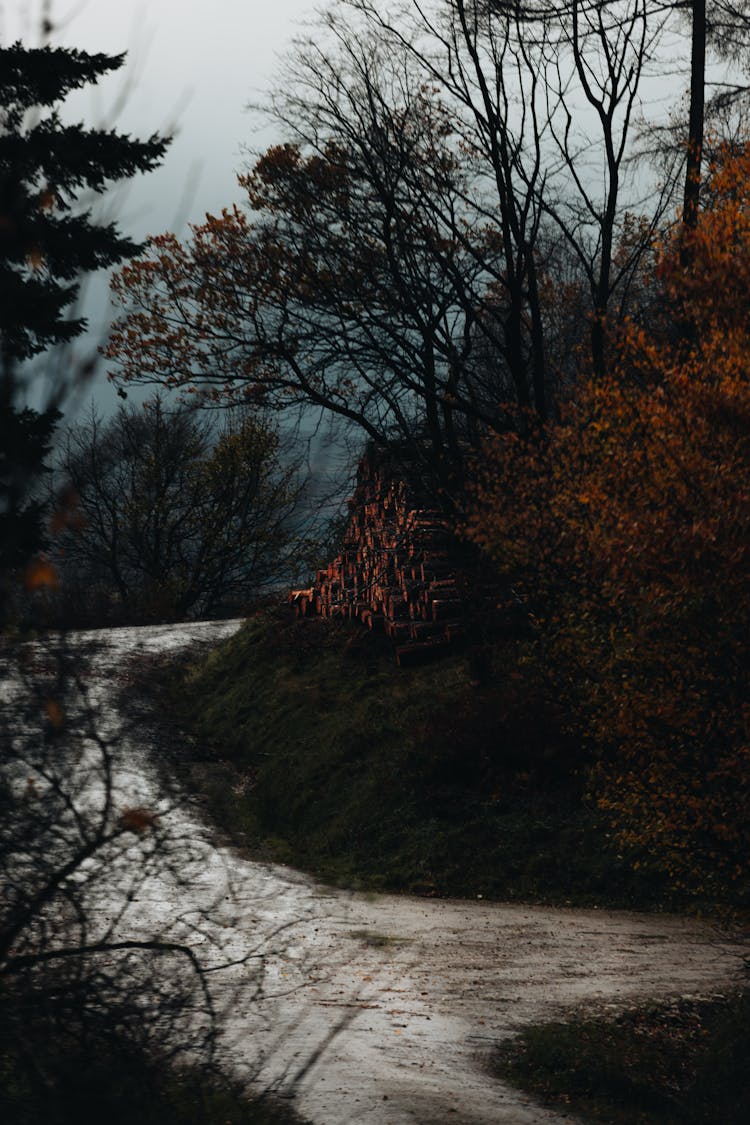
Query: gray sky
{"x": 191, "y": 63}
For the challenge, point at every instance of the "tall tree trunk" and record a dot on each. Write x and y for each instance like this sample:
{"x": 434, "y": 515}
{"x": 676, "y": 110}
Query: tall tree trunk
{"x": 697, "y": 108}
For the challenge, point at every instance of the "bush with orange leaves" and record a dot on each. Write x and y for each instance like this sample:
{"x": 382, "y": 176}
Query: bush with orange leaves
{"x": 627, "y": 524}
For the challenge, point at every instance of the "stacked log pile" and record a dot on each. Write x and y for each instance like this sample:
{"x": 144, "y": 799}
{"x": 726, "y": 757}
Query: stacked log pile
{"x": 397, "y": 570}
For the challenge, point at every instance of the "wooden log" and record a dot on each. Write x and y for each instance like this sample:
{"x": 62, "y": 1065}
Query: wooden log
{"x": 396, "y": 607}
{"x": 435, "y": 539}
{"x": 433, "y": 569}
{"x": 416, "y": 515}
{"x": 443, "y": 584}
{"x": 400, "y": 631}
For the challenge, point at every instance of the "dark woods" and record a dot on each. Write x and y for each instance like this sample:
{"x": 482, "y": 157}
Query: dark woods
{"x": 457, "y": 213}
{"x": 102, "y": 1015}
{"x": 170, "y": 516}
{"x": 464, "y": 248}
{"x": 48, "y": 241}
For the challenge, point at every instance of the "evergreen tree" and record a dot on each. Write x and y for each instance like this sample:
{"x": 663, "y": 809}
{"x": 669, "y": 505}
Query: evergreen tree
{"x": 48, "y": 240}
{"x": 25, "y": 439}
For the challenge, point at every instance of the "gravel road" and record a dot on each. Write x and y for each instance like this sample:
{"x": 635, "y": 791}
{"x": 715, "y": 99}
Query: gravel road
{"x": 383, "y": 1010}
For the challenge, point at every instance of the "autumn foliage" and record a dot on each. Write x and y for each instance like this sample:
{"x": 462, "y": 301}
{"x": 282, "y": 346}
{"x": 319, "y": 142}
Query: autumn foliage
{"x": 626, "y": 527}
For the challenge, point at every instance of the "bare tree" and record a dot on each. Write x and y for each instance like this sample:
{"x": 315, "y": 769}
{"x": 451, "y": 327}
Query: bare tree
{"x": 605, "y": 49}
{"x": 74, "y": 855}
{"x": 479, "y": 58}
{"x": 401, "y": 236}
{"x": 114, "y": 947}
{"x": 455, "y": 206}
{"x": 173, "y": 516}
{"x": 355, "y": 288}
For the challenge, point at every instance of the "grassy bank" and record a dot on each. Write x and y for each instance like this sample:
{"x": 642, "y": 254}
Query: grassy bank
{"x": 311, "y": 747}
{"x": 683, "y": 1063}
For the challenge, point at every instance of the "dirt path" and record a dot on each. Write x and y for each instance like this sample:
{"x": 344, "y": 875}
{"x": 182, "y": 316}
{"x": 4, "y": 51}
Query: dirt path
{"x": 384, "y": 1010}
{"x": 456, "y": 979}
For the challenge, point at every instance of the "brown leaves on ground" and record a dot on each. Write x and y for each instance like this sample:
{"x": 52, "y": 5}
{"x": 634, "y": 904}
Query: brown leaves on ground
{"x": 138, "y": 820}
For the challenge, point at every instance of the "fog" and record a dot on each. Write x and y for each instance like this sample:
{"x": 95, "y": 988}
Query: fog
{"x": 191, "y": 70}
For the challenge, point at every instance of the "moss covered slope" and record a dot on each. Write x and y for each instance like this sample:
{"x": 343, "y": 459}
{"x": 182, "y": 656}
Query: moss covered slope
{"x": 313, "y": 748}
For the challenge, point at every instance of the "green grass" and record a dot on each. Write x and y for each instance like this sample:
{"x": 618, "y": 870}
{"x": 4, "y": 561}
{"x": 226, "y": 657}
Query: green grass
{"x": 311, "y": 747}
{"x": 684, "y": 1063}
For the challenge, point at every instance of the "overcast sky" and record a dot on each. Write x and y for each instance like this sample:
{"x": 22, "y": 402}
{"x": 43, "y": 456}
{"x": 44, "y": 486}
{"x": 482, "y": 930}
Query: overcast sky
{"x": 192, "y": 68}
{"x": 191, "y": 63}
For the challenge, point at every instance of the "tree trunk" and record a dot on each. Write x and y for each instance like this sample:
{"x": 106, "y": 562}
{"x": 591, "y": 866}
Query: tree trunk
{"x": 697, "y": 108}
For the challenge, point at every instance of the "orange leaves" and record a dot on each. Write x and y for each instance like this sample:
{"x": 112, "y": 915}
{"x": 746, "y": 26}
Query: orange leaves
{"x": 40, "y": 574}
{"x": 55, "y": 714}
{"x": 138, "y": 820}
{"x": 715, "y": 289}
{"x": 285, "y": 182}
{"x": 629, "y": 524}
{"x": 188, "y": 310}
